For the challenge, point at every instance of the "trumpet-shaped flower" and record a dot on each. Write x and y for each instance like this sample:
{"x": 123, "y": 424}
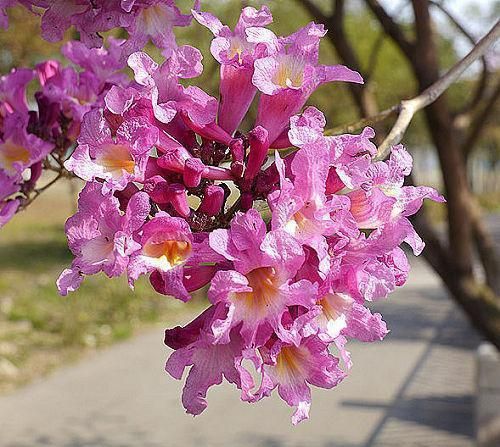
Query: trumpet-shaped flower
{"x": 118, "y": 160}
{"x": 153, "y": 20}
{"x": 168, "y": 96}
{"x": 19, "y": 149}
{"x": 100, "y": 236}
{"x": 260, "y": 288}
{"x": 342, "y": 315}
{"x": 290, "y": 75}
{"x": 236, "y": 53}
{"x": 210, "y": 362}
{"x": 166, "y": 244}
{"x": 102, "y": 63}
{"x": 291, "y": 369}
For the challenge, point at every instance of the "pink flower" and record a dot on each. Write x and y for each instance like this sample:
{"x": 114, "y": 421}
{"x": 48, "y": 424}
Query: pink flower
{"x": 173, "y": 256}
{"x": 236, "y": 53}
{"x": 290, "y": 75}
{"x": 155, "y": 20}
{"x": 372, "y": 267}
{"x": 292, "y": 369}
{"x": 8, "y": 207}
{"x": 103, "y": 63}
{"x": 301, "y": 207}
{"x": 210, "y": 362}
{"x": 18, "y": 149}
{"x": 342, "y": 315}
{"x": 100, "y": 236}
{"x": 13, "y": 91}
{"x": 166, "y": 244}
{"x": 118, "y": 160}
{"x": 260, "y": 288}
{"x": 385, "y": 200}
{"x": 167, "y": 95}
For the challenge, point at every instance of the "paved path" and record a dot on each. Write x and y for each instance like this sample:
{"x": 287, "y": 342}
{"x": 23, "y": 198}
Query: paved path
{"x": 414, "y": 389}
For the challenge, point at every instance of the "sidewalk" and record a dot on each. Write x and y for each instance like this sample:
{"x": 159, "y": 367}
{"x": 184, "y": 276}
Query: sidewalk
{"x": 414, "y": 389}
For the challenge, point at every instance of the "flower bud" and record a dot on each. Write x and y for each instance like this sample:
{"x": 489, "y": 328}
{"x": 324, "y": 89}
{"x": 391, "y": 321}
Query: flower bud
{"x": 174, "y": 159}
{"x": 213, "y": 200}
{"x": 178, "y": 199}
{"x": 259, "y": 145}
{"x": 193, "y": 171}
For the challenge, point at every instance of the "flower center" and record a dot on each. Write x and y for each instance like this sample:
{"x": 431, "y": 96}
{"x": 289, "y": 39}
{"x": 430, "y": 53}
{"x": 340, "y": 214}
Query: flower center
{"x": 236, "y": 49}
{"x": 265, "y": 288}
{"x": 290, "y": 73}
{"x": 115, "y": 159}
{"x": 11, "y": 153}
{"x": 302, "y": 221}
{"x": 97, "y": 250}
{"x": 168, "y": 254}
{"x": 335, "y": 304}
{"x": 291, "y": 362}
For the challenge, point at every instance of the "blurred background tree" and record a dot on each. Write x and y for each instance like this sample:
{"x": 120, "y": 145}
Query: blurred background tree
{"x": 400, "y": 47}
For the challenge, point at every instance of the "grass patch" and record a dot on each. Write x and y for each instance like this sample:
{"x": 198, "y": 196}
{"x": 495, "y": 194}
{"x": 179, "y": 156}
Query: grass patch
{"x": 40, "y": 330}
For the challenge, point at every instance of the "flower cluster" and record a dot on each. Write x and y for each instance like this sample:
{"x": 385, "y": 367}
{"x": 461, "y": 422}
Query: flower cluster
{"x": 144, "y": 20}
{"x": 173, "y": 192}
{"x": 31, "y": 140}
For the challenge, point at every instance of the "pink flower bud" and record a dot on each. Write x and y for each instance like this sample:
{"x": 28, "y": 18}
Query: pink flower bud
{"x": 158, "y": 189}
{"x": 210, "y": 131}
{"x": 259, "y": 145}
{"x": 174, "y": 159}
{"x": 213, "y": 200}
{"x": 237, "y": 150}
{"x": 178, "y": 199}
{"x": 193, "y": 171}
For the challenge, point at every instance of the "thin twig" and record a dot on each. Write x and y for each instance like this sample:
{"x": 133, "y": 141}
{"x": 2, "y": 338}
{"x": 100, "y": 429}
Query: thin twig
{"x": 406, "y": 109}
{"x": 481, "y": 86}
{"x": 360, "y": 124}
{"x": 481, "y": 121}
{"x": 39, "y": 191}
{"x": 391, "y": 27}
{"x": 430, "y": 94}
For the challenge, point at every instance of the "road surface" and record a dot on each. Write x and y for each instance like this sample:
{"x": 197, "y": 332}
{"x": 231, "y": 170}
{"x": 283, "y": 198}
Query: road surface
{"x": 414, "y": 389}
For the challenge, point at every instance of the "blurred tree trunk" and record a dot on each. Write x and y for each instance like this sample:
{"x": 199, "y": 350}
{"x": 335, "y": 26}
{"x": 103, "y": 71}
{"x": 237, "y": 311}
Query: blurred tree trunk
{"x": 467, "y": 233}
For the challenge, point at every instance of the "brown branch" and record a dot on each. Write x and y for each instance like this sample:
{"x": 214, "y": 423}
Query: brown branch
{"x": 314, "y": 11}
{"x": 360, "y": 124}
{"x": 374, "y": 54}
{"x": 481, "y": 121}
{"x": 391, "y": 27}
{"x": 485, "y": 247}
{"x": 37, "y": 192}
{"x": 481, "y": 86}
{"x": 408, "y": 108}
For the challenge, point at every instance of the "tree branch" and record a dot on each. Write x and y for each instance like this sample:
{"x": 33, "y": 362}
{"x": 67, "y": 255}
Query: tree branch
{"x": 481, "y": 86}
{"x": 481, "y": 121}
{"x": 34, "y": 195}
{"x": 360, "y": 124}
{"x": 391, "y": 27}
{"x": 314, "y": 11}
{"x": 408, "y": 108}
{"x": 374, "y": 53}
